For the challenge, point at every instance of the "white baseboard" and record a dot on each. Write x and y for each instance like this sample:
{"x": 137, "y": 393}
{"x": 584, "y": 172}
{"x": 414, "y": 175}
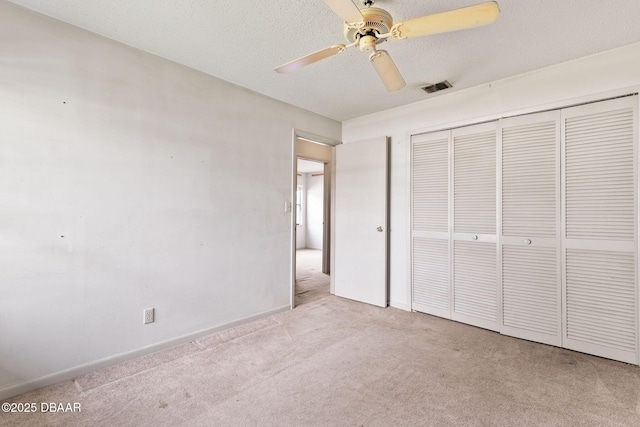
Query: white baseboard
{"x": 400, "y": 305}
{"x": 68, "y": 374}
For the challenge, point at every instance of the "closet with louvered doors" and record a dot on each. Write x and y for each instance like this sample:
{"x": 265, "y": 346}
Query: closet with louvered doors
{"x": 529, "y": 227}
{"x": 475, "y": 295}
{"x": 599, "y": 238}
{"x": 430, "y": 224}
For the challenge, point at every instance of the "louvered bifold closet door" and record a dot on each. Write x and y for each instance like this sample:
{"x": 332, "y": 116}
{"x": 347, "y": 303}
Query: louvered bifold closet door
{"x": 475, "y": 290}
{"x": 430, "y": 223}
{"x": 600, "y": 238}
{"x": 529, "y": 225}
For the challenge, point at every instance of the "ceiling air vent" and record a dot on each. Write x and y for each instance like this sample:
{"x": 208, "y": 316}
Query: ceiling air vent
{"x": 437, "y": 86}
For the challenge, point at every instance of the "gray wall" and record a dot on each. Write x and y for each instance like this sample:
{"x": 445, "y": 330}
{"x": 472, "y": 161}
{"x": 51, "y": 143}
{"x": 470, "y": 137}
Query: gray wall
{"x": 126, "y": 182}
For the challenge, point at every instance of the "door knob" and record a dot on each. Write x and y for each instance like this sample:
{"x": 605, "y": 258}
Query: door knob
{"x": 380, "y": 229}
{"x": 474, "y": 237}
{"x": 527, "y": 242}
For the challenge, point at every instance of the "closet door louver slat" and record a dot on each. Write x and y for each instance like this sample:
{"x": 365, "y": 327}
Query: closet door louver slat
{"x": 606, "y": 319}
{"x": 529, "y": 156}
{"x": 430, "y": 186}
{"x": 599, "y": 176}
{"x": 530, "y": 289}
{"x": 431, "y": 276}
{"x": 474, "y": 283}
{"x": 474, "y": 183}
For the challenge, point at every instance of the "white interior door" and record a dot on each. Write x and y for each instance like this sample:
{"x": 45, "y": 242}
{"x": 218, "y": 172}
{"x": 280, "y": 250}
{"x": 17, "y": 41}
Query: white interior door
{"x": 361, "y": 224}
{"x": 530, "y": 235}
{"x": 600, "y": 236}
{"x": 430, "y": 224}
{"x": 476, "y": 298}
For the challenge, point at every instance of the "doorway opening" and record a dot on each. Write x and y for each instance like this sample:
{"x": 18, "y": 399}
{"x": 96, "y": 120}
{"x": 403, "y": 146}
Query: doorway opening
{"x": 311, "y": 195}
{"x": 312, "y": 282}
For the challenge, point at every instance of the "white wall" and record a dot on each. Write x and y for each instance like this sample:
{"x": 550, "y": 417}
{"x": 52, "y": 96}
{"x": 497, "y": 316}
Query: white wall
{"x": 607, "y": 74}
{"x": 126, "y": 182}
{"x": 301, "y": 230}
{"x": 315, "y": 194}
{"x": 309, "y": 232}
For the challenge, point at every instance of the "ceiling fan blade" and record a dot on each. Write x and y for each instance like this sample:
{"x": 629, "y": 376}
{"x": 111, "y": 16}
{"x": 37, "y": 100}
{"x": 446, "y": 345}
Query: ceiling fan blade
{"x": 453, "y": 20}
{"x": 296, "y": 64}
{"x": 387, "y": 70}
{"x": 346, "y": 10}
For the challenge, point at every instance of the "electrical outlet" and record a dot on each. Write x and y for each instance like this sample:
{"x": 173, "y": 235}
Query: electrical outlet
{"x": 148, "y": 315}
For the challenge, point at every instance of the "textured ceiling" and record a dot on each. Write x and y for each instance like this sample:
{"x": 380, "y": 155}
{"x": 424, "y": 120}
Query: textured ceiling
{"x": 242, "y": 41}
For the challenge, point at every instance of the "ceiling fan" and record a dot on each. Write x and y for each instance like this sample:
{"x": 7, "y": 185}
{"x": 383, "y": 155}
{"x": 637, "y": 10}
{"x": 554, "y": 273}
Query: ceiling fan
{"x": 368, "y": 27}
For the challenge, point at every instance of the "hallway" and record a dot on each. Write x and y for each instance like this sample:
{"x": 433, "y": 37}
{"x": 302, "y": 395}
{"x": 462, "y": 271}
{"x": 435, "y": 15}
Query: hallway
{"x": 311, "y": 283}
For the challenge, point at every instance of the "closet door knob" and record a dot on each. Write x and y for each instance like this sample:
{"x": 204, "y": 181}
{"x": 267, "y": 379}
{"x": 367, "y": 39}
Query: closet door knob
{"x": 380, "y": 229}
{"x": 527, "y": 242}
{"x": 474, "y": 237}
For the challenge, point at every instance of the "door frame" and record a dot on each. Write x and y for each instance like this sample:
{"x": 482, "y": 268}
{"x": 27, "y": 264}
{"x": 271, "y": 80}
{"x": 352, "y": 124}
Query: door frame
{"x": 322, "y": 140}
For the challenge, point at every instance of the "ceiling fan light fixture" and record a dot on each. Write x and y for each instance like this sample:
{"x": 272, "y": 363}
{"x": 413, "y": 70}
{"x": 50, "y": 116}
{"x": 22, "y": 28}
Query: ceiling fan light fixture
{"x": 367, "y": 43}
{"x": 387, "y": 70}
{"x": 367, "y": 28}
{"x": 375, "y": 21}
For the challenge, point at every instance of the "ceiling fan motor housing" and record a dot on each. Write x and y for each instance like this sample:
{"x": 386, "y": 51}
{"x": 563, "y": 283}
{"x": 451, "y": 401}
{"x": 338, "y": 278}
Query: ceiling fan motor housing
{"x": 376, "y": 21}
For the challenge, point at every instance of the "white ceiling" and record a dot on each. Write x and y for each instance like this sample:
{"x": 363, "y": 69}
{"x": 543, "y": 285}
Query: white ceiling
{"x": 309, "y": 166}
{"x": 242, "y": 41}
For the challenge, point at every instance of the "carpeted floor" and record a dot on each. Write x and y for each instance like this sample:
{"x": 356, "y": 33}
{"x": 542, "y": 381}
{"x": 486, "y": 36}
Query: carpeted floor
{"x": 333, "y": 361}
{"x": 311, "y": 283}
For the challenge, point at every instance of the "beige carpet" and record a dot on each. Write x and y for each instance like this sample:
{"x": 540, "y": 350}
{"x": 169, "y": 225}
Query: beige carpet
{"x": 333, "y": 361}
{"x": 311, "y": 283}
